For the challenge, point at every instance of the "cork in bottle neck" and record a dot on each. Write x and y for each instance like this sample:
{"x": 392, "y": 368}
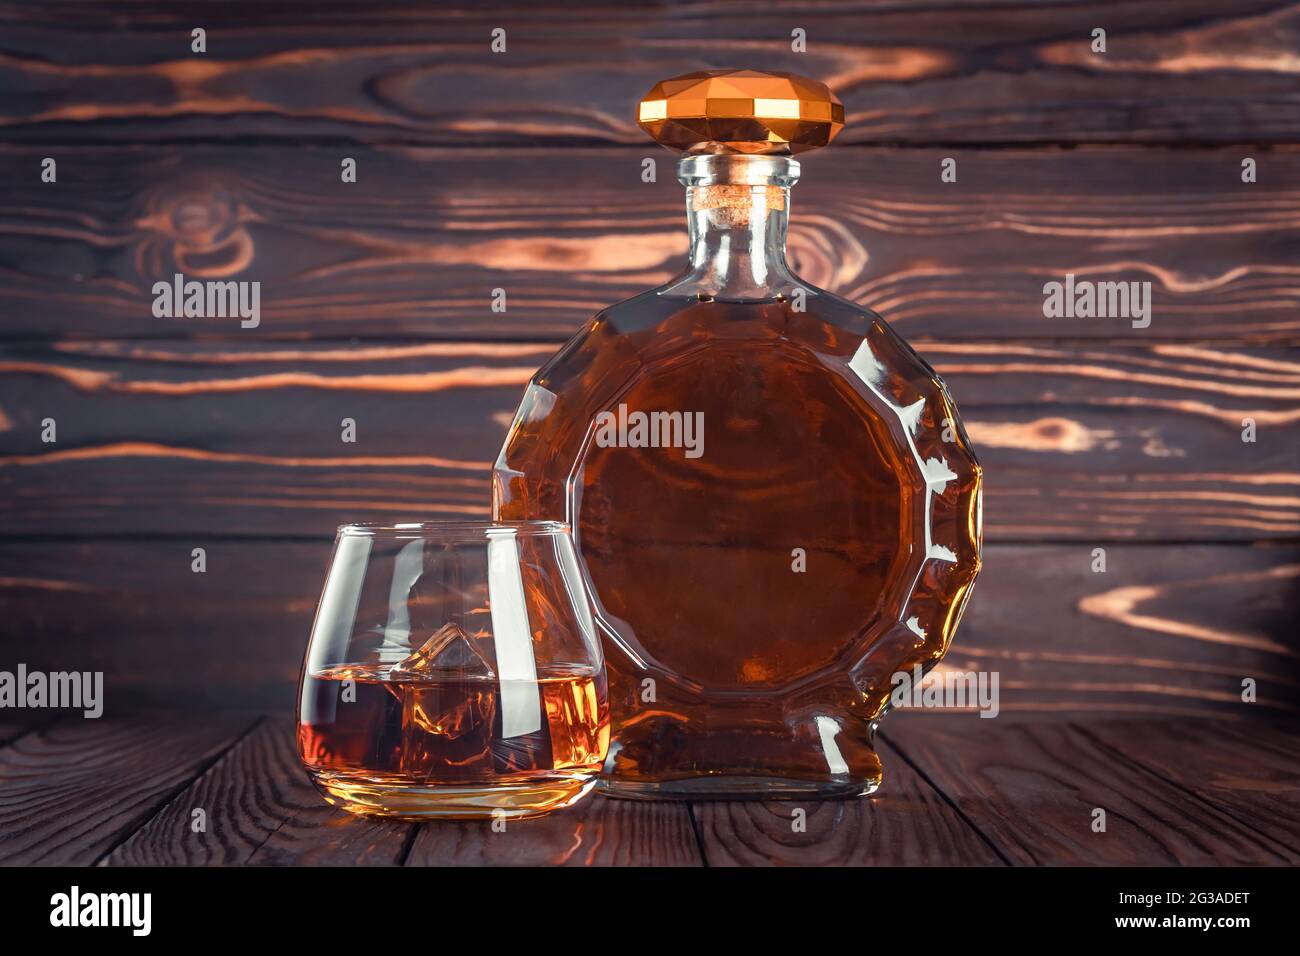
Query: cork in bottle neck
{"x": 734, "y": 189}
{"x": 736, "y": 211}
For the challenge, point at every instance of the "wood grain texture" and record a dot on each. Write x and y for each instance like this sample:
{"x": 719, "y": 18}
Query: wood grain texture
{"x": 1248, "y": 770}
{"x": 1079, "y": 441}
{"x": 71, "y": 792}
{"x": 907, "y": 823}
{"x": 1032, "y": 789}
{"x": 231, "y": 637}
{"x": 1166, "y": 630}
{"x": 18, "y": 723}
{"x": 597, "y": 832}
{"x": 1201, "y": 792}
{"x": 260, "y": 808}
{"x": 256, "y": 433}
{"x": 1172, "y": 630}
{"x": 416, "y": 246}
{"x": 911, "y": 71}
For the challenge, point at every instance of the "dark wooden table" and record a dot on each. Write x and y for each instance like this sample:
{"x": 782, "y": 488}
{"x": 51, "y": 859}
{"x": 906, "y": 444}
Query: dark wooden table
{"x": 959, "y": 791}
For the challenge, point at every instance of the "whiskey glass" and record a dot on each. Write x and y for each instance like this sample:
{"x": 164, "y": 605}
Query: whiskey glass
{"x": 453, "y": 671}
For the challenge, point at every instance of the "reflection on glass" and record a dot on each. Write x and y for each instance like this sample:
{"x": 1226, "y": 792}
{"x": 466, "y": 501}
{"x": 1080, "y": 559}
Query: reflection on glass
{"x": 453, "y": 671}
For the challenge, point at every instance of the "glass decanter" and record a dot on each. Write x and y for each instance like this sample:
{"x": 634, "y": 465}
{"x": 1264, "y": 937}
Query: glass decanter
{"x": 771, "y": 495}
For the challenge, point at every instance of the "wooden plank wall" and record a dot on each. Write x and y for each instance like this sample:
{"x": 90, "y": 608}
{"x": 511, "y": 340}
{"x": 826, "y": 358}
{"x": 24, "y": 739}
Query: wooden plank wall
{"x": 522, "y": 171}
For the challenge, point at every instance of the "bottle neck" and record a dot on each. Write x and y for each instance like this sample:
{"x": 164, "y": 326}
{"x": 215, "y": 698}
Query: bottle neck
{"x": 737, "y": 208}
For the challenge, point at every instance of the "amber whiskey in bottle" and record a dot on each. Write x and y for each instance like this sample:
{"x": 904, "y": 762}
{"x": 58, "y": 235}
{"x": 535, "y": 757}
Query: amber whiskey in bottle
{"x": 771, "y": 494}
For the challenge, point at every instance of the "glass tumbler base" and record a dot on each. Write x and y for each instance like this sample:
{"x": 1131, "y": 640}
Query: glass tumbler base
{"x": 519, "y": 797}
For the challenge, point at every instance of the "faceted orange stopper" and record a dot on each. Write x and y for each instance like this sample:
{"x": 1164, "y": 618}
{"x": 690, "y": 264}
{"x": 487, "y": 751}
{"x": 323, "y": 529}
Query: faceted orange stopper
{"x": 741, "y": 111}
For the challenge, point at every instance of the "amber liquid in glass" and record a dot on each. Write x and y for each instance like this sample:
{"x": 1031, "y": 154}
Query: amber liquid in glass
{"x": 375, "y": 741}
{"x": 750, "y": 596}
